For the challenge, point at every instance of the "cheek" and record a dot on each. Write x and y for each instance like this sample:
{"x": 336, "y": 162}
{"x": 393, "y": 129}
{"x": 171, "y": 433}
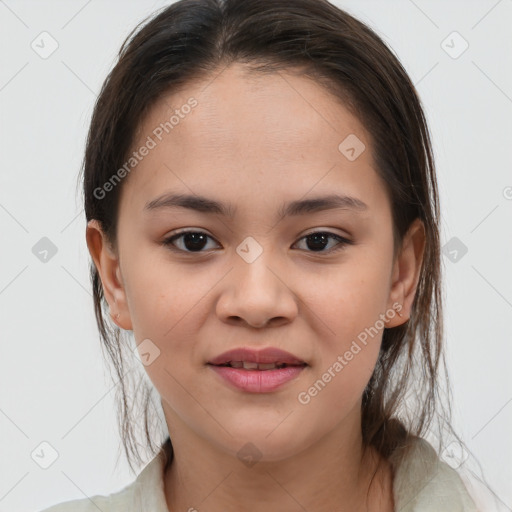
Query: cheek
{"x": 168, "y": 305}
{"x": 162, "y": 297}
{"x": 351, "y": 300}
{"x": 352, "y": 306}
{"x": 169, "y": 315}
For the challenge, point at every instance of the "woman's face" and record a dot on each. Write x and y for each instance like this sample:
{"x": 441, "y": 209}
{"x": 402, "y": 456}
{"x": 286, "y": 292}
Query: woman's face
{"x": 263, "y": 148}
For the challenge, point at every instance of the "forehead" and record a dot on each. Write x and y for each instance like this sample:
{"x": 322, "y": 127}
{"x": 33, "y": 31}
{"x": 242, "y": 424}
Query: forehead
{"x": 255, "y": 134}
{"x": 243, "y": 111}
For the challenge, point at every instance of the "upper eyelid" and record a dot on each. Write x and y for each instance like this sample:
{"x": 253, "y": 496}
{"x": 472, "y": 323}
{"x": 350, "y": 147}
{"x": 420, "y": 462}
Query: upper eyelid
{"x": 184, "y": 231}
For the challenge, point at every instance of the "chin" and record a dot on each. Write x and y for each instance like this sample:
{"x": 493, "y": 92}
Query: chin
{"x": 263, "y": 442}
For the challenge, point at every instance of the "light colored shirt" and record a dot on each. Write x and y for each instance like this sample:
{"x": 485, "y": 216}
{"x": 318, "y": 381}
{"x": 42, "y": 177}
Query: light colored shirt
{"x": 422, "y": 482}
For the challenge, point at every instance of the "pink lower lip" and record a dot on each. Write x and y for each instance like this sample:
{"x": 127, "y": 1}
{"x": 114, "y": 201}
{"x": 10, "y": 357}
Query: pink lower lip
{"x": 257, "y": 381}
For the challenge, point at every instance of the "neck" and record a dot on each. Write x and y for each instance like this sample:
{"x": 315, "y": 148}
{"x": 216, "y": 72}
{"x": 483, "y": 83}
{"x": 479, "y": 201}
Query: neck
{"x": 333, "y": 473}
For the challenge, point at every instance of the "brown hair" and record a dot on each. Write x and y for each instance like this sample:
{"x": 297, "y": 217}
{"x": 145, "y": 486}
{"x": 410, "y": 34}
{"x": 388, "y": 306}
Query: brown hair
{"x": 195, "y": 39}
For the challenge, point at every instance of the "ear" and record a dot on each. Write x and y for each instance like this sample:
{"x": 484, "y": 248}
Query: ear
{"x": 107, "y": 264}
{"x": 406, "y": 273}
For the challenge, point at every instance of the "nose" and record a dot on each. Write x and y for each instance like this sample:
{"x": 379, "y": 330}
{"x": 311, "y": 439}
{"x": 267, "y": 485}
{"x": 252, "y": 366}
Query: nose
{"x": 257, "y": 293}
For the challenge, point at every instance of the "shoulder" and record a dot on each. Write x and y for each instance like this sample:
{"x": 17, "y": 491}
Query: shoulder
{"x": 145, "y": 493}
{"x": 117, "y": 502}
{"x": 424, "y": 483}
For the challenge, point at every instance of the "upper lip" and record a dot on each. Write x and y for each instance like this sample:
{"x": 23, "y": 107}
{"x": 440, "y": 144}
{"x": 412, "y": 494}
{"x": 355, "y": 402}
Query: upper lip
{"x": 266, "y": 355}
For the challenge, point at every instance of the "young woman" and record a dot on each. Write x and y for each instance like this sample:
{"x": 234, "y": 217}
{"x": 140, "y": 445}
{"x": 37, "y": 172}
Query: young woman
{"x": 263, "y": 216}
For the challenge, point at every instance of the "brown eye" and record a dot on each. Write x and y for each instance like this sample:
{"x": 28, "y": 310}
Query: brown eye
{"x": 196, "y": 241}
{"x": 319, "y": 240}
{"x": 191, "y": 241}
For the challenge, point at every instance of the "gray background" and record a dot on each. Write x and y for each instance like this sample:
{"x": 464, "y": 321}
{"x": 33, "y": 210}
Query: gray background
{"x": 54, "y": 387}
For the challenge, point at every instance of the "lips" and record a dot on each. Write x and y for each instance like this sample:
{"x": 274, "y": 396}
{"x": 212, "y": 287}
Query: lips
{"x": 257, "y": 371}
{"x": 250, "y": 359}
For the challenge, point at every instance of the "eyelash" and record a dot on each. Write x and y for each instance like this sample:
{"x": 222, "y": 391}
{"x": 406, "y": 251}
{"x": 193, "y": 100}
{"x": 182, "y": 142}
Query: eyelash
{"x": 342, "y": 242}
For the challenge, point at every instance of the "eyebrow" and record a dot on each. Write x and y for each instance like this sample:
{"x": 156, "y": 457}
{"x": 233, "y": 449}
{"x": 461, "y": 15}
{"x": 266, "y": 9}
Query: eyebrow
{"x": 293, "y": 208}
